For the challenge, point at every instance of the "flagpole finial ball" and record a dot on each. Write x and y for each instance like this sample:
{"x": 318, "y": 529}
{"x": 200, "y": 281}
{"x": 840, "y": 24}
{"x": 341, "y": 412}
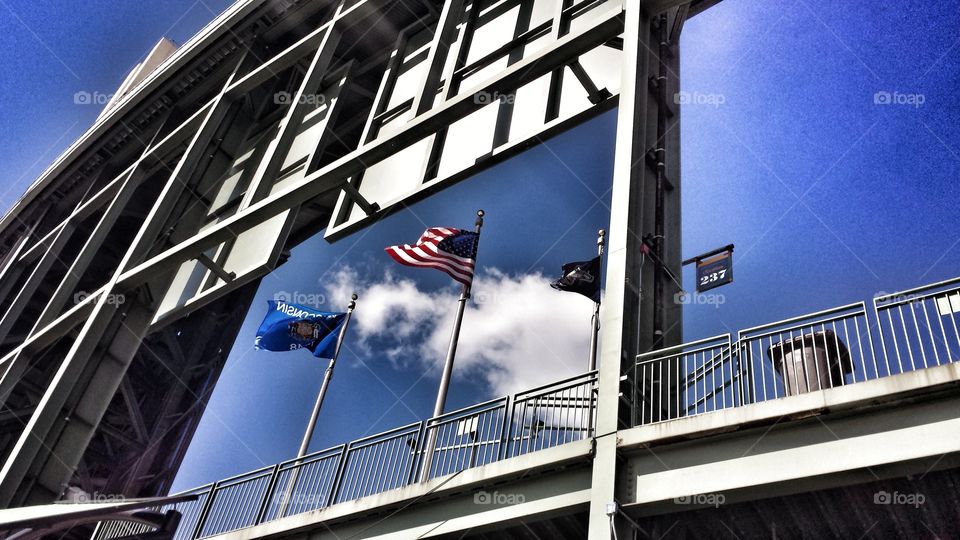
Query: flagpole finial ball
{"x": 602, "y": 232}
{"x": 480, "y": 213}
{"x": 354, "y": 297}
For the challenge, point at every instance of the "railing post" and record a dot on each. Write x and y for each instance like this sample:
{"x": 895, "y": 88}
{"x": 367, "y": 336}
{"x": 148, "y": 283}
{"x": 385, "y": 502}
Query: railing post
{"x": 592, "y": 384}
{"x": 505, "y": 428}
{"x": 261, "y": 514}
{"x": 338, "y": 476}
{"x": 207, "y": 505}
{"x": 634, "y": 394}
{"x": 883, "y": 344}
{"x": 98, "y": 530}
{"x": 418, "y": 448}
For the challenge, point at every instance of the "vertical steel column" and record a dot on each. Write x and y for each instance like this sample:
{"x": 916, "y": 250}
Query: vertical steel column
{"x": 661, "y": 157}
{"x": 621, "y": 314}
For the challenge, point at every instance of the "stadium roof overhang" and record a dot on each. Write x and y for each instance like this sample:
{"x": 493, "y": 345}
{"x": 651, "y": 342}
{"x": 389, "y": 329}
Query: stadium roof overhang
{"x": 37, "y": 521}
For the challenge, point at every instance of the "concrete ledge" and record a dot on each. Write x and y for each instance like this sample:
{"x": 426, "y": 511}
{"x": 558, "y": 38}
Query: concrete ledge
{"x": 487, "y": 476}
{"x": 890, "y": 388}
{"x": 820, "y": 454}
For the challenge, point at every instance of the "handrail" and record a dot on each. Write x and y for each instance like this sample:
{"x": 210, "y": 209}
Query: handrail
{"x": 799, "y": 318}
{"x": 466, "y": 411}
{"x": 911, "y": 292}
{"x": 243, "y": 476}
{"x": 659, "y": 353}
{"x": 373, "y": 439}
{"x": 313, "y": 456}
{"x": 340, "y": 473}
{"x": 586, "y": 375}
{"x": 812, "y": 352}
{"x": 818, "y": 321}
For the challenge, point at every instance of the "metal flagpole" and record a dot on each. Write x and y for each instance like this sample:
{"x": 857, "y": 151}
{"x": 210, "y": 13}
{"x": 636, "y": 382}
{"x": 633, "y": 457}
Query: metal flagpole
{"x": 308, "y": 434}
{"x": 448, "y": 367}
{"x": 595, "y": 320}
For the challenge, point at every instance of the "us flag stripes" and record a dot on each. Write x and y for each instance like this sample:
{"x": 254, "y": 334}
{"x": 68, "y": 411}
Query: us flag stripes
{"x": 449, "y": 250}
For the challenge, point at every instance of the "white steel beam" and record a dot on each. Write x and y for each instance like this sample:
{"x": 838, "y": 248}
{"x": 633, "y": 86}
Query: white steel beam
{"x": 620, "y": 325}
{"x": 26, "y": 453}
{"x": 333, "y": 176}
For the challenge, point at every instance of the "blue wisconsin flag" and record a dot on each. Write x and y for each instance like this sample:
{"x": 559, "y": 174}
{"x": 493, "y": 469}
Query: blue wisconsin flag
{"x": 288, "y": 327}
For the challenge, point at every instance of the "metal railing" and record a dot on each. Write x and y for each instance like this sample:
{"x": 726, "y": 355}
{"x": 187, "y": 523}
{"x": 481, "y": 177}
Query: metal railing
{"x": 190, "y": 512}
{"x": 686, "y": 379}
{"x": 466, "y": 438}
{"x": 537, "y": 419}
{"x": 552, "y": 415}
{"x": 301, "y": 485}
{"x": 917, "y": 329}
{"x": 379, "y": 463}
{"x": 805, "y": 354}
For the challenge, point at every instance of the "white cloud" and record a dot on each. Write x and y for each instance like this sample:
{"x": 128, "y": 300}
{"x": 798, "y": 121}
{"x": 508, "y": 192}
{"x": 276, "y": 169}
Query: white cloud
{"x": 517, "y": 332}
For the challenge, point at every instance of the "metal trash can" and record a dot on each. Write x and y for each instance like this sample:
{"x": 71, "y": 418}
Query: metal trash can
{"x": 811, "y": 362}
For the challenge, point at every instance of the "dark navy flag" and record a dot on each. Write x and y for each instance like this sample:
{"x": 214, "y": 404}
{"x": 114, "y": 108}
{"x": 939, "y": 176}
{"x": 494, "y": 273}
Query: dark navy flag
{"x": 288, "y": 327}
{"x": 581, "y": 277}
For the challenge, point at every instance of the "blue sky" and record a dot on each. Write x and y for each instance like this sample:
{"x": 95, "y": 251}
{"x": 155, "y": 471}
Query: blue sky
{"x": 828, "y": 195}
{"x": 50, "y": 50}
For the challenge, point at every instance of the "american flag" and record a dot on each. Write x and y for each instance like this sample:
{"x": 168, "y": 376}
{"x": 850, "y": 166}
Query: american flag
{"x": 449, "y": 250}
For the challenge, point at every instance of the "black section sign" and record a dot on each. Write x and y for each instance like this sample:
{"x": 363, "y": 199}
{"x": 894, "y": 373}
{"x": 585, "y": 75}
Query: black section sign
{"x": 715, "y": 271}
